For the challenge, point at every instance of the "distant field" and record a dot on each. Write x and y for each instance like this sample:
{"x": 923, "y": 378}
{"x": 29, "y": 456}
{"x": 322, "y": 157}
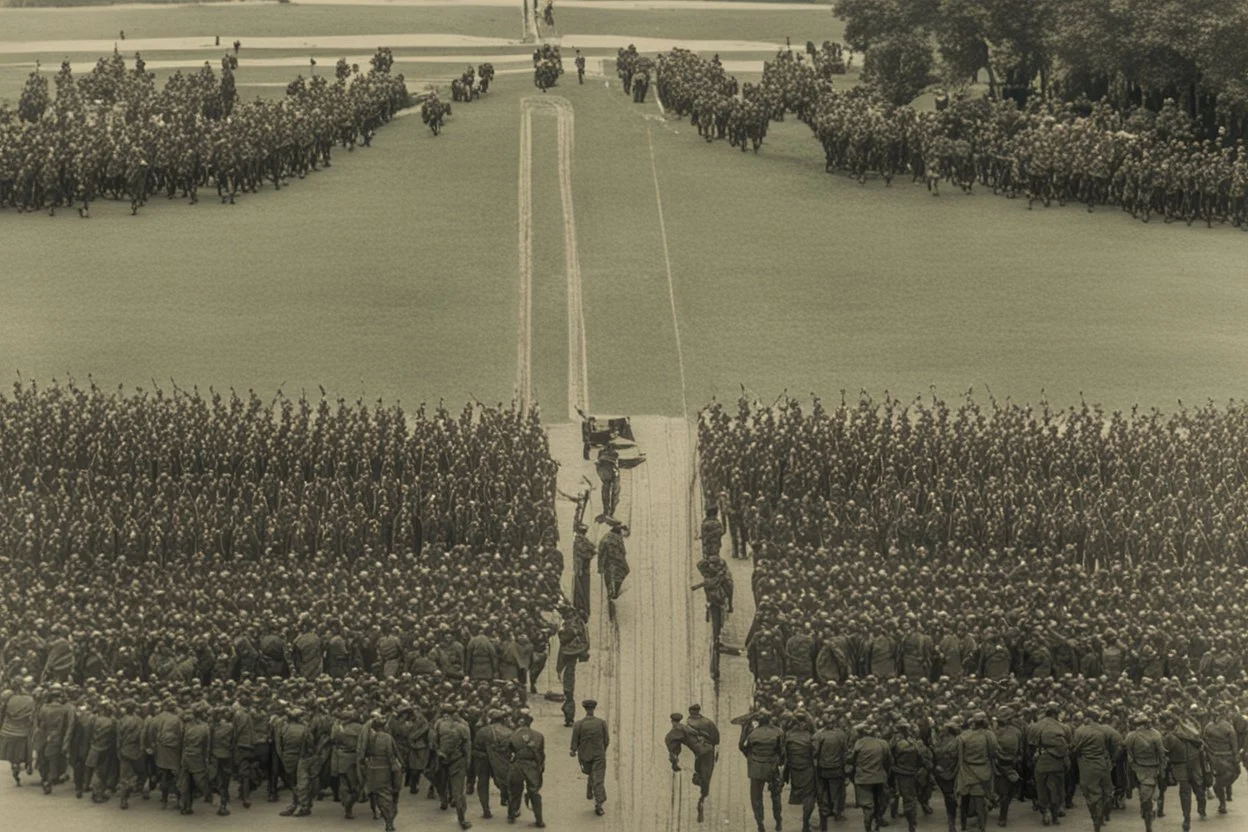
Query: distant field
{"x": 394, "y": 274}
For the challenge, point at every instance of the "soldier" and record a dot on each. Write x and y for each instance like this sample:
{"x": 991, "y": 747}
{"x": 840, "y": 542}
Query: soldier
{"x": 1222, "y": 745}
{"x": 489, "y": 752}
{"x": 590, "y": 740}
{"x": 945, "y": 769}
{"x": 799, "y": 765}
{"x": 102, "y": 752}
{"x": 1009, "y": 762}
{"x": 977, "y": 754}
{"x": 54, "y": 726}
{"x": 1146, "y": 755}
{"x": 481, "y": 658}
{"x": 706, "y": 732}
{"x": 1094, "y": 752}
{"x": 292, "y": 738}
{"x": 582, "y": 553}
{"x": 306, "y": 651}
{"x": 195, "y": 762}
{"x": 130, "y": 755}
{"x": 346, "y": 741}
{"x": 763, "y": 746}
{"x": 613, "y": 559}
{"x": 573, "y": 649}
{"x": 527, "y": 752}
{"x": 164, "y": 741}
{"x": 870, "y": 765}
{"x": 911, "y": 760}
{"x": 580, "y": 67}
{"x": 224, "y": 752}
{"x": 831, "y": 752}
{"x": 641, "y": 85}
{"x": 337, "y": 653}
{"x": 1184, "y": 751}
{"x": 608, "y": 468}
{"x": 17, "y": 725}
{"x": 1050, "y": 744}
{"x": 452, "y": 743}
{"x": 712, "y": 534}
{"x": 246, "y": 739}
{"x": 380, "y": 770}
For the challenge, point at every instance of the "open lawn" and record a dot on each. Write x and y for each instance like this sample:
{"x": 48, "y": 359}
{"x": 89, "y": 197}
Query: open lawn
{"x": 394, "y": 274}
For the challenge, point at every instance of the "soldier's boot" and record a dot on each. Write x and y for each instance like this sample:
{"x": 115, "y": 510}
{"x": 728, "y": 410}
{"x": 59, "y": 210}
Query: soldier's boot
{"x": 537, "y": 811}
{"x": 1229, "y": 797}
{"x": 348, "y": 803}
{"x": 125, "y": 798}
{"x": 1003, "y": 816}
{"x": 868, "y": 820}
{"x": 892, "y": 807}
{"x": 1161, "y": 804}
{"x": 912, "y": 820}
{"x": 701, "y": 809}
{"x": 244, "y": 792}
{"x": 289, "y": 811}
{"x": 429, "y": 793}
{"x": 372, "y": 804}
{"x": 223, "y": 809}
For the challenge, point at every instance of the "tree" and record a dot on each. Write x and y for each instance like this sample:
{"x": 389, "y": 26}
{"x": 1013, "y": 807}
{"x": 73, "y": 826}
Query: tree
{"x": 899, "y": 67}
{"x": 869, "y": 21}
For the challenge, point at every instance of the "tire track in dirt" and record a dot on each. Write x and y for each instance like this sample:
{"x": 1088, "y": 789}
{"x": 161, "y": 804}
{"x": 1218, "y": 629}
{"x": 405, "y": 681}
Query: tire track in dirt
{"x": 524, "y": 335}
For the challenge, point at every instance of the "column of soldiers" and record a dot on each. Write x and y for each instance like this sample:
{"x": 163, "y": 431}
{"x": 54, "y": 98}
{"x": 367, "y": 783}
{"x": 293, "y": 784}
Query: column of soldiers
{"x": 113, "y": 134}
{"x": 1051, "y": 151}
{"x": 981, "y": 764}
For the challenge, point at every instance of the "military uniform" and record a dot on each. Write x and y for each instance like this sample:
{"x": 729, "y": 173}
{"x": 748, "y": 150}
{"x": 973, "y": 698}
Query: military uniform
{"x": 527, "y": 752}
{"x": 1094, "y": 751}
{"x": 1146, "y": 754}
{"x": 911, "y": 760}
{"x": 763, "y": 747}
{"x": 582, "y": 553}
{"x": 102, "y": 756}
{"x": 1050, "y": 744}
{"x": 831, "y": 750}
{"x": 590, "y": 740}
{"x": 224, "y": 751}
{"x": 195, "y": 763}
{"x": 573, "y": 648}
{"x": 380, "y": 770}
{"x": 871, "y": 761}
{"x": 452, "y": 743}
{"x": 707, "y": 733}
{"x": 54, "y": 725}
{"x": 1222, "y": 745}
{"x": 799, "y": 768}
{"x": 490, "y": 756}
{"x": 346, "y": 742}
{"x": 1185, "y": 751}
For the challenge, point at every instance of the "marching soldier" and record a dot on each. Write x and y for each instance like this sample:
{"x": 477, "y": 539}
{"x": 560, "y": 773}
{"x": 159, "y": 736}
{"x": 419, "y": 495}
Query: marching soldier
{"x": 1146, "y": 754}
{"x": 799, "y": 765}
{"x": 870, "y": 764}
{"x": 582, "y": 553}
{"x": 380, "y": 770}
{"x": 1050, "y": 743}
{"x": 130, "y": 755}
{"x": 1222, "y": 745}
{"x": 224, "y": 753}
{"x": 911, "y": 759}
{"x": 573, "y": 649}
{"x": 580, "y": 67}
{"x": 977, "y": 753}
{"x": 527, "y": 751}
{"x": 452, "y": 743}
{"x": 491, "y": 758}
{"x": 1008, "y": 763}
{"x": 613, "y": 559}
{"x": 712, "y": 534}
{"x": 1094, "y": 751}
{"x": 590, "y": 740}
{"x": 1185, "y": 751}
{"x": 196, "y": 758}
{"x": 54, "y": 725}
{"x": 608, "y": 467}
{"x": 346, "y": 740}
{"x": 706, "y": 732}
{"x": 17, "y": 724}
{"x": 763, "y": 746}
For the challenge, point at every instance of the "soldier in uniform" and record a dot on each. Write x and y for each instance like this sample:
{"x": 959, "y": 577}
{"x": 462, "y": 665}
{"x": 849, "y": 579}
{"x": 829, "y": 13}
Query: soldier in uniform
{"x": 17, "y": 726}
{"x": 870, "y": 765}
{"x": 337, "y": 653}
{"x": 1009, "y": 762}
{"x": 195, "y": 762}
{"x": 224, "y": 752}
{"x": 590, "y": 740}
{"x": 712, "y": 534}
{"x": 380, "y": 770}
{"x": 346, "y": 740}
{"x": 1185, "y": 750}
{"x": 608, "y": 468}
{"x": 612, "y": 558}
{"x": 831, "y": 752}
{"x": 911, "y": 760}
{"x": 292, "y": 738}
{"x": 580, "y": 67}
{"x": 54, "y": 726}
{"x": 130, "y": 755}
{"x": 164, "y": 741}
{"x": 573, "y": 649}
{"x": 1222, "y": 745}
{"x": 1146, "y": 755}
{"x": 490, "y": 755}
{"x": 1050, "y": 744}
{"x": 1094, "y": 752}
{"x": 706, "y": 732}
{"x": 945, "y": 769}
{"x": 799, "y": 764}
{"x": 762, "y": 743}
{"x": 582, "y": 553}
{"x": 102, "y": 752}
{"x": 452, "y": 743}
{"x": 306, "y": 651}
{"x": 527, "y": 752}
{"x": 977, "y": 754}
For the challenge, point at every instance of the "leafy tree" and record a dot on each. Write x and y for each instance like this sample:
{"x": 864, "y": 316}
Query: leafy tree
{"x": 898, "y": 68}
{"x": 342, "y": 70}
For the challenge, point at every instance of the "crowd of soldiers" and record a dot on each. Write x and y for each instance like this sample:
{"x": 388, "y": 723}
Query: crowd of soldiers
{"x": 933, "y": 582}
{"x": 157, "y": 478}
{"x": 1147, "y": 164}
{"x": 113, "y": 133}
{"x": 547, "y": 66}
{"x": 469, "y": 86}
{"x": 636, "y": 72}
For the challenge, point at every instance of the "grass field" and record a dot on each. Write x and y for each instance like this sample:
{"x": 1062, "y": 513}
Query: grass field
{"x": 395, "y": 273}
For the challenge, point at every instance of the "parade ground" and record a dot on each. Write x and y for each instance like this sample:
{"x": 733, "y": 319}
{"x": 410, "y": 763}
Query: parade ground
{"x": 581, "y": 250}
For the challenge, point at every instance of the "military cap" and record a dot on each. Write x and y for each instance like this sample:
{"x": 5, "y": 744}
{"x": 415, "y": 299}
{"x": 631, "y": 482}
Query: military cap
{"x": 589, "y": 704}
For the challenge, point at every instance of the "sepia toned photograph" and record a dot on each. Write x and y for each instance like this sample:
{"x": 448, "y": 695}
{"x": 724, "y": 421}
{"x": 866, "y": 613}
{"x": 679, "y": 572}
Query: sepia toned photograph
{"x": 623, "y": 415}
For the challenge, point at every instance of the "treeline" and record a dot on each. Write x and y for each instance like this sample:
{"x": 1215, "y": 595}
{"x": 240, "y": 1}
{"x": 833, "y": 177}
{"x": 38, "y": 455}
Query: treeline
{"x": 1132, "y": 53}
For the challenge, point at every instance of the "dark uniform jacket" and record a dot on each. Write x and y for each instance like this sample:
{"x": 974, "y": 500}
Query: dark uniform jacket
{"x": 763, "y": 747}
{"x": 590, "y": 739}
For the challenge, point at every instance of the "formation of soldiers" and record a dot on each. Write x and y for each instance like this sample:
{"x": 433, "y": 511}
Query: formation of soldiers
{"x": 1004, "y": 564}
{"x": 114, "y": 134}
{"x": 160, "y": 478}
{"x": 353, "y": 738}
{"x": 1146, "y": 164}
{"x": 547, "y": 66}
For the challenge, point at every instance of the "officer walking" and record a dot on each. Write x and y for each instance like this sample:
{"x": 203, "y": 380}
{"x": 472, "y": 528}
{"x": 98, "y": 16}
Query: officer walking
{"x": 491, "y": 756}
{"x": 381, "y": 770}
{"x": 763, "y": 747}
{"x": 527, "y": 750}
{"x": 1050, "y": 741}
{"x": 580, "y": 67}
{"x": 582, "y": 553}
{"x": 451, "y": 742}
{"x": 870, "y": 764}
{"x": 1094, "y": 752}
{"x": 590, "y": 740}
{"x": 1146, "y": 755}
{"x": 706, "y": 732}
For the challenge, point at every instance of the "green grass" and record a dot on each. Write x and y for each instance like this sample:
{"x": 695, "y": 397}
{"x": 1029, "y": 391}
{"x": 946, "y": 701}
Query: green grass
{"x": 395, "y": 274}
